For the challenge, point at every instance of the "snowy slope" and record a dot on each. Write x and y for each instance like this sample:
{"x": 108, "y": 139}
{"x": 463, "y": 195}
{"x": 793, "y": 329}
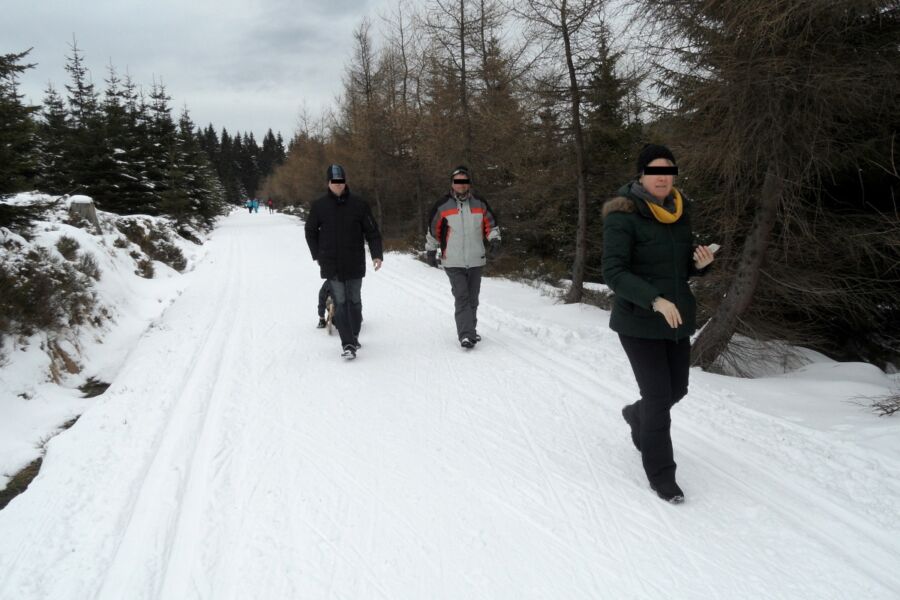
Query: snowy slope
{"x": 32, "y": 407}
{"x": 237, "y": 456}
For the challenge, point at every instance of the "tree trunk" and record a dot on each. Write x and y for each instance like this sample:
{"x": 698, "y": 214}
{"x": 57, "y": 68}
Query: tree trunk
{"x": 379, "y": 210}
{"x": 714, "y": 338}
{"x": 576, "y": 291}
{"x": 463, "y": 85}
{"x": 420, "y": 209}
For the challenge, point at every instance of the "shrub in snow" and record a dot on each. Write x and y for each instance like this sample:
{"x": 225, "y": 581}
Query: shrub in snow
{"x": 87, "y": 264}
{"x": 189, "y": 234}
{"x": 68, "y": 247}
{"x": 78, "y": 221}
{"x": 295, "y": 210}
{"x": 42, "y": 292}
{"x": 170, "y": 254}
{"x": 154, "y": 242}
{"x": 145, "y": 268}
{"x": 887, "y": 405}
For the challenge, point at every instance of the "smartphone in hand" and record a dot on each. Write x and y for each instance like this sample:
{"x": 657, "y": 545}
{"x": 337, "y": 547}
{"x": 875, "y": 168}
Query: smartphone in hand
{"x": 713, "y": 248}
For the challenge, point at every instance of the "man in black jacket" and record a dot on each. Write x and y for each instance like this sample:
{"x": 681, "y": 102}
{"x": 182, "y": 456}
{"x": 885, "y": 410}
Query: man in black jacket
{"x": 338, "y": 224}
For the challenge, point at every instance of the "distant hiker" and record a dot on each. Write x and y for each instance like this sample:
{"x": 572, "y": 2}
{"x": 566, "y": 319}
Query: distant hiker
{"x": 648, "y": 255}
{"x": 256, "y": 205}
{"x": 458, "y": 227}
{"x": 249, "y": 205}
{"x": 271, "y": 205}
{"x": 337, "y": 228}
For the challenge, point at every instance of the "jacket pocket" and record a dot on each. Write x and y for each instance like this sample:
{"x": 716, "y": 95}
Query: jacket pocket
{"x": 640, "y": 311}
{"x": 623, "y": 305}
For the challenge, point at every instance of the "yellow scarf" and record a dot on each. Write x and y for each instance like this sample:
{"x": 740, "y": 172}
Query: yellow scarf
{"x": 664, "y": 216}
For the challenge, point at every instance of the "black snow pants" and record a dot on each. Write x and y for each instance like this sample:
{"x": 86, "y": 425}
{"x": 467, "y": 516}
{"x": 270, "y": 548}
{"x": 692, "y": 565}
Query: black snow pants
{"x": 661, "y": 368}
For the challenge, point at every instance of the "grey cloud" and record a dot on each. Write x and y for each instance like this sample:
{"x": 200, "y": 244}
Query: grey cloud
{"x": 242, "y": 65}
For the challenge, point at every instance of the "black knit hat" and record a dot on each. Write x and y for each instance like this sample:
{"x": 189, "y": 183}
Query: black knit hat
{"x": 460, "y": 170}
{"x": 335, "y": 172}
{"x": 651, "y": 152}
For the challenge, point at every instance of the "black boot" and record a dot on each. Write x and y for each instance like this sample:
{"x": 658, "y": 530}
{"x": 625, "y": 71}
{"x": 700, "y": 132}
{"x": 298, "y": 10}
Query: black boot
{"x": 322, "y": 323}
{"x": 670, "y": 492}
{"x": 631, "y": 416}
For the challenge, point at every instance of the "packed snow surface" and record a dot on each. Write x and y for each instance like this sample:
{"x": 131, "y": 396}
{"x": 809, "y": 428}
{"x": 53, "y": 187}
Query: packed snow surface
{"x": 236, "y": 455}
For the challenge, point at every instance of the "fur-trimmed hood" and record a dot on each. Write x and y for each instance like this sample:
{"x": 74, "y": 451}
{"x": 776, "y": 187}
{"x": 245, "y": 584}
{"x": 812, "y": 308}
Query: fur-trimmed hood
{"x": 618, "y": 204}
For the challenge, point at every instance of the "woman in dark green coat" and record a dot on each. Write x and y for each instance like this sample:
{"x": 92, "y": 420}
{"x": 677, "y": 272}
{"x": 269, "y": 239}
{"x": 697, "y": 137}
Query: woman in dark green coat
{"x": 648, "y": 256}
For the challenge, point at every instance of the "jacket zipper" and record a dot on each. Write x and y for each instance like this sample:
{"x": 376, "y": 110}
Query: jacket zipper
{"x": 675, "y": 279}
{"x": 465, "y": 245}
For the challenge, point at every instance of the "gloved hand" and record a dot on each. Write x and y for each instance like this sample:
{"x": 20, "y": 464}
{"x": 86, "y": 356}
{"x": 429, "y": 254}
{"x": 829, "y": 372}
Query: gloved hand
{"x": 494, "y": 248}
{"x": 431, "y": 258}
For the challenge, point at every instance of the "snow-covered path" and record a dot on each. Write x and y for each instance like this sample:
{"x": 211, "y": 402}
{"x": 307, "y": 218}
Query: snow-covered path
{"x": 237, "y": 456}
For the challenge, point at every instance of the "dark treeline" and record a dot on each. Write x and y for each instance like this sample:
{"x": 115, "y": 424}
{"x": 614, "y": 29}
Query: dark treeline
{"x": 123, "y": 147}
{"x": 240, "y": 163}
{"x": 783, "y": 117}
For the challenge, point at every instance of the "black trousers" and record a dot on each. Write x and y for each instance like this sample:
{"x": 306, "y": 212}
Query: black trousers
{"x": 347, "y": 308}
{"x": 661, "y": 368}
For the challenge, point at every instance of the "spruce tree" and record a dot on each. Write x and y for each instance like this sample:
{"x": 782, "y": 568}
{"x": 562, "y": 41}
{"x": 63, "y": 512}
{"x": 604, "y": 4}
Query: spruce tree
{"x": 229, "y": 170}
{"x": 83, "y": 103}
{"x": 280, "y": 152}
{"x": 193, "y": 193}
{"x": 54, "y": 169}
{"x": 158, "y": 146}
{"x": 18, "y": 158}
{"x": 267, "y": 155}
{"x": 248, "y": 164}
{"x": 85, "y": 145}
{"x": 788, "y": 110}
{"x": 119, "y": 187}
{"x": 612, "y": 137}
{"x": 209, "y": 141}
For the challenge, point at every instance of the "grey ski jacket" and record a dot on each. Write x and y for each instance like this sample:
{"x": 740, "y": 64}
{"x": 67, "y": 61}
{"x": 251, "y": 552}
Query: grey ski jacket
{"x": 458, "y": 227}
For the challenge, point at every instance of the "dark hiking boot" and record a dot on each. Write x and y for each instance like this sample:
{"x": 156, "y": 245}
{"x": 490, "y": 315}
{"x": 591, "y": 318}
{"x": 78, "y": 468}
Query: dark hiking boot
{"x": 629, "y": 413}
{"x": 477, "y": 338}
{"x": 322, "y": 323}
{"x": 349, "y": 352}
{"x": 670, "y": 492}
{"x": 356, "y": 344}
{"x": 466, "y": 343}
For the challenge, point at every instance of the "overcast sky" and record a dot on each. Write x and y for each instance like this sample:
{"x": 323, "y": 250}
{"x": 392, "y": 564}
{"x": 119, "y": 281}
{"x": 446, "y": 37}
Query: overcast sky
{"x": 245, "y": 65}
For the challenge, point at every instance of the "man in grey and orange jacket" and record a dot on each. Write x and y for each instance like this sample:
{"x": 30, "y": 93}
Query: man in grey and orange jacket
{"x": 459, "y": 225}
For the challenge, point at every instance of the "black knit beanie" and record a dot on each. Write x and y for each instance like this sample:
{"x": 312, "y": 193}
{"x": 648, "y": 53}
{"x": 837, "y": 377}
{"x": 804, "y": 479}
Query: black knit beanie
{"x": 651, "y": 152}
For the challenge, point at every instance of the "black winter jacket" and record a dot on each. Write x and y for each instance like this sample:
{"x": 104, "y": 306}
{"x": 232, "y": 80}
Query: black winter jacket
{"x": 335, "y": 231}
{"x": 643, "y": 259}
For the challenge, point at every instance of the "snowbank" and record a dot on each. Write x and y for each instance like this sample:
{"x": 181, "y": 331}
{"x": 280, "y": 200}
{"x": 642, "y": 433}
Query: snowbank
{"x": 32, "y": 405}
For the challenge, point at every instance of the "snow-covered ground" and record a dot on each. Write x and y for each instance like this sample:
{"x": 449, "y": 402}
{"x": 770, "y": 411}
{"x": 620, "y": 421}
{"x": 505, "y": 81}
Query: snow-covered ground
{"x": 236, "y": 455}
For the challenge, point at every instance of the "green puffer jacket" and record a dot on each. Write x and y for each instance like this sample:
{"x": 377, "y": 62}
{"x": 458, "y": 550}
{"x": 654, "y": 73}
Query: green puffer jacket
{"x": 643, "y": 259}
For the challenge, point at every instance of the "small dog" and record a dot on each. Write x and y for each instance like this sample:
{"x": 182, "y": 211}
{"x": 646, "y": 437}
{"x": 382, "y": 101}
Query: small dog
{"x": 329, "y": 313}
